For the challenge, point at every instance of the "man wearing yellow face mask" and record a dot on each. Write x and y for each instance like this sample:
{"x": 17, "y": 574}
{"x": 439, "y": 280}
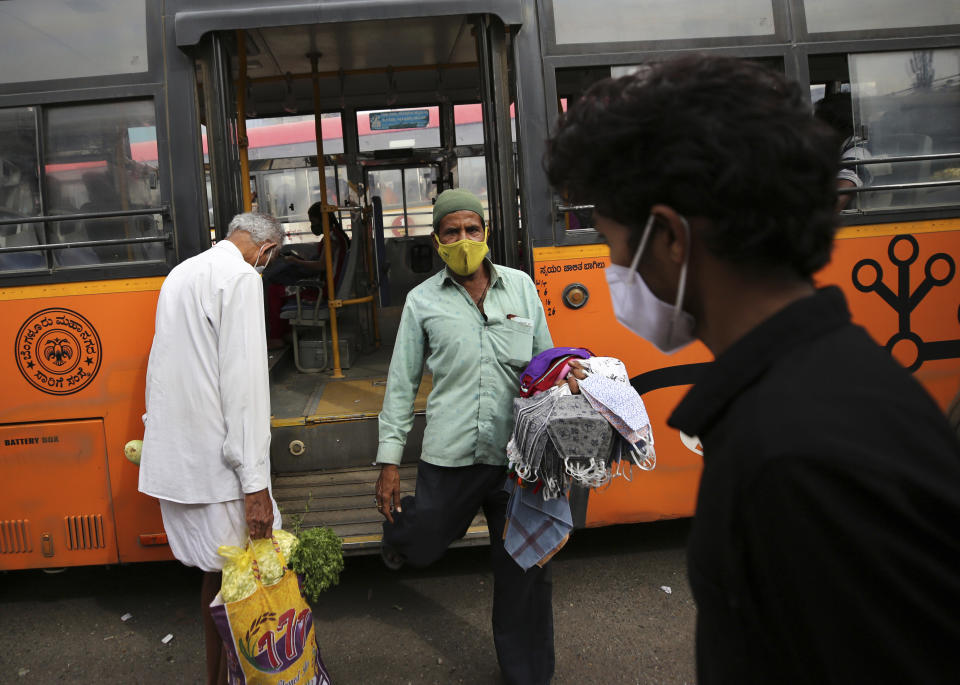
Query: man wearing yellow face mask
{"x": 476, "y": 326}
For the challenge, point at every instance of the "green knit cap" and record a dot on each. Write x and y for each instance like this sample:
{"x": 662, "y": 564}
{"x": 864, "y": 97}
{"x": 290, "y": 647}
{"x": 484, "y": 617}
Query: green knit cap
{"x": 455, "y": 200}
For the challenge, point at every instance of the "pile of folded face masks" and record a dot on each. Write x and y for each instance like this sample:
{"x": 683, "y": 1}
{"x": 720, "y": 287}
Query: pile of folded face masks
{"x": 560, "y": 438}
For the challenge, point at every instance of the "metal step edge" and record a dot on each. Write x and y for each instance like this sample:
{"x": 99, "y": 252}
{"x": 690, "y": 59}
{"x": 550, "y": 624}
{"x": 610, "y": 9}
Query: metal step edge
{"x": 364, "y": 474}
{"x": 331, "y": 504}
{"x": 328, "y": 491}
{"x": 369, "y": 544}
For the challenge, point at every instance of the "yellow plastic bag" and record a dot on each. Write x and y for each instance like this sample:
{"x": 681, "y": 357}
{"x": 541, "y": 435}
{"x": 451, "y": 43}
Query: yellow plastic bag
{"x": 238, "y": 581}
{"x": 238, "y": 576}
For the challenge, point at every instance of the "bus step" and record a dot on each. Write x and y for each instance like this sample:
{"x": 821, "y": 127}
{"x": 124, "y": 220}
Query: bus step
{"x": 343, "y": 499}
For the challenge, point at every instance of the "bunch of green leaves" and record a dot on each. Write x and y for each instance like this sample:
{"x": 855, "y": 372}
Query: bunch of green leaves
{"x": 319, "y": 559}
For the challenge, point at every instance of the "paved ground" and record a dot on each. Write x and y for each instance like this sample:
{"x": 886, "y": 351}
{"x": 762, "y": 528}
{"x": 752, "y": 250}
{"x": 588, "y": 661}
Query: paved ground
{"x": 614, "y": 623}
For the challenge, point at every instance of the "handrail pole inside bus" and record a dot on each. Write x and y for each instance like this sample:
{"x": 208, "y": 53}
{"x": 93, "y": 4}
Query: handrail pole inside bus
{"x": 120, "y": 171}
{"x": 327, "y": 256}
{"x": 366, "y": 221}
{"x": 242, "y": 141}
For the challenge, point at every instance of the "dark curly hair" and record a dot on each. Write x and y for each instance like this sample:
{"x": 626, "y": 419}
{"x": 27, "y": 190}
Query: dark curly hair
{"x": 715, "y": 137}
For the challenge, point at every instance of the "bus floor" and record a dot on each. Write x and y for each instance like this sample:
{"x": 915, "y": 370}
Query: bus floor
{"x": 332, "y": 423}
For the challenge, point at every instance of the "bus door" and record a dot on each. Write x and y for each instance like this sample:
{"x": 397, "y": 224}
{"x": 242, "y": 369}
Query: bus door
{"x": 405, "y": 253}
{"x": 383, "y": 112}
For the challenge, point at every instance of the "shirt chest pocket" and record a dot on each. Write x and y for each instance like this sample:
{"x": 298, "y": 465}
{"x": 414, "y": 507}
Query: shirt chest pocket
{"x": 513, "y": 341}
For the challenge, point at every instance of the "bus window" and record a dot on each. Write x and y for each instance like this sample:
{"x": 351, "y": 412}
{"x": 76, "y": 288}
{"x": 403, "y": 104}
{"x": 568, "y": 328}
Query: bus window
{"x": 399, "y": 128}
{"x": 614, "y": 21}
{"x": 97, "y": 158}
{"x": 101, "y": 158}
{"x": 44, "y": 40}
{"x": 337, "y": 188}
{"x": 472, "y": 176}
{"x": 285, "y": 195}
{"x": 890, "y": 107}
{"x": 276, "y": 137}
{"x": 420, "y": 187}
{"x": 826, "y": 16}
{"x": 19, "y": 189}
{"x": 387, "y": 184}
{"x": 468, "y": 125}
{"x": 407, "y": 195}
{"x": 908, "y": 104}
{"x": 338, "y": 192}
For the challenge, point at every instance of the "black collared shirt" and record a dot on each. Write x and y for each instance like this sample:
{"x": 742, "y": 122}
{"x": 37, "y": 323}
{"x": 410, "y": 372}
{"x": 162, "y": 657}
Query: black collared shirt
{"x": 826, "y": 543}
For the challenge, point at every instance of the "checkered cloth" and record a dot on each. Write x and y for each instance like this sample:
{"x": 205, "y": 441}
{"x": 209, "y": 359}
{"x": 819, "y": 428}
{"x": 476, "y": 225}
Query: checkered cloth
{"x": 536, "y": 528}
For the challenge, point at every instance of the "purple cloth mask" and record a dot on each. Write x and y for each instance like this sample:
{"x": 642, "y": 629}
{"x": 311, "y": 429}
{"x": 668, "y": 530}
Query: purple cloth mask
{"x": 540, "y": 364}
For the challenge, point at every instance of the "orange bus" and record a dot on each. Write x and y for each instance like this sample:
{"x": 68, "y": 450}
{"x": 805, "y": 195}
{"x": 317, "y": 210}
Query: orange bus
{"x": 131, "y": 132}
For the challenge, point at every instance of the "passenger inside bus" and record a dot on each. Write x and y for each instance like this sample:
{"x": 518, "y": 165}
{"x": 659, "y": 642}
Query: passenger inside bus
{"x": 300, "y": 270}
{"x": 836, "y": 110}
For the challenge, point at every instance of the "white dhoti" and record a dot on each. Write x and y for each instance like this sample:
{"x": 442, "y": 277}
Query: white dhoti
{"x": 195, "y": 531}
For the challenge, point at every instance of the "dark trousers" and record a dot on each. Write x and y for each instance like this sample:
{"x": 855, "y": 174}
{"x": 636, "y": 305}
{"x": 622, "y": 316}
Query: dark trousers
{"x": 446, "y": 501}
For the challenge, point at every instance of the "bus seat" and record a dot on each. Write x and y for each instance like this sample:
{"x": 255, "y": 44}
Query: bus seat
{"x": 76, "y": 256}
{"x": 305, "y": 315}
{"x": 19, "y": 235}
{"x": 343, "y": 288}
{"x": 22, "y": 261}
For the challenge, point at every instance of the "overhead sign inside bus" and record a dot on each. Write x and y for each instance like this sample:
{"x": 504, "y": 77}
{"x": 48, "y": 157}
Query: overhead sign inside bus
{"x": 411, "y": 118}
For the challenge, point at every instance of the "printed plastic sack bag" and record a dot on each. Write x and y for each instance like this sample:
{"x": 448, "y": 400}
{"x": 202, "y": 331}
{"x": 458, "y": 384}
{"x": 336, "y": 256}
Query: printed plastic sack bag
{"x": 238, "y": 581}
{"x": 269, "y": 635}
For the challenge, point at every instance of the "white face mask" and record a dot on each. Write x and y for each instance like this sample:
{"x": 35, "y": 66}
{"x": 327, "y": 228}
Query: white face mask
{"x": 636, "y": 307}
{"x": 257, "y": 260}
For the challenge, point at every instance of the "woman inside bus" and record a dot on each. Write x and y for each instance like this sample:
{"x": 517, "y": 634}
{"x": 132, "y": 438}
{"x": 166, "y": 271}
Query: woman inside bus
{"x": 294, "y": 269}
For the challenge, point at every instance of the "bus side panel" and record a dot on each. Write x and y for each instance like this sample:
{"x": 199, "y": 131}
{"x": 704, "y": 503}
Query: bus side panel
{"x": 915, "y": 312}
{"x": 670, "y": 490}
{"x": 76, "y": 527}
{"x": 905, "y": 263}
{"x": 79, "y": 351}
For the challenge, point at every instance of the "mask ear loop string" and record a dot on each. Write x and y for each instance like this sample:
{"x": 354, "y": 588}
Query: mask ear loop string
{"x": 646, "y": 462}
{"x": 682, "y": 287}
{"x": 647, "y": 229}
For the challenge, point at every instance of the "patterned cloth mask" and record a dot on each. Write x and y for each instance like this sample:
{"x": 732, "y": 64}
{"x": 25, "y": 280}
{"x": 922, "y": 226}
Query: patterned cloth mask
{"x": 622, "y": 407}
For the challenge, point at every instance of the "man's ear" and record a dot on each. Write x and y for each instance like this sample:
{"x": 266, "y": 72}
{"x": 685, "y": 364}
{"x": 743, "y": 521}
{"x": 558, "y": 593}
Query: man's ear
{"x": 671, "y": 228}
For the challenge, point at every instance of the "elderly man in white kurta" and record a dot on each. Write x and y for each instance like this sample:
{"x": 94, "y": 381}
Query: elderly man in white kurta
{"x": 206, "y": 445}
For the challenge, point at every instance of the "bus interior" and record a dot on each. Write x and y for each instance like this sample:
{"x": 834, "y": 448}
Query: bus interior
{"x": 400, "y": 120}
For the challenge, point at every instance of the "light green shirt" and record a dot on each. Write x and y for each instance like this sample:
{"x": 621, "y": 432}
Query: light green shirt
{"x": 476, "y": 360}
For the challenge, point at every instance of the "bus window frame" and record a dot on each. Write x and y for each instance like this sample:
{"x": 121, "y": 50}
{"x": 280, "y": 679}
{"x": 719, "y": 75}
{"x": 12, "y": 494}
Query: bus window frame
{"x": 795, "y": 56}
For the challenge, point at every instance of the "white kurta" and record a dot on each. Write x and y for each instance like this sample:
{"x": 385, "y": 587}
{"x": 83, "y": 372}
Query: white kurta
{"x": 207, "y": 426}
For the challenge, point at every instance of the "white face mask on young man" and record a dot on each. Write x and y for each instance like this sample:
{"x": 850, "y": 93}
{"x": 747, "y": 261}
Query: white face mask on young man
{"x": 668, "y": 327}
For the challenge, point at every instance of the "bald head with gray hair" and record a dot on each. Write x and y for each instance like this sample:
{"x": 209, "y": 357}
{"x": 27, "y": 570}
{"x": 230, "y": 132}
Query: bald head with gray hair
{"x": 261, "y": 227}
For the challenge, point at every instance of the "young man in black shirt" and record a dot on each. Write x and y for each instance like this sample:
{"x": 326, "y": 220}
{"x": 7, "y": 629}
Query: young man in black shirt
{"x": 826, "y": 543}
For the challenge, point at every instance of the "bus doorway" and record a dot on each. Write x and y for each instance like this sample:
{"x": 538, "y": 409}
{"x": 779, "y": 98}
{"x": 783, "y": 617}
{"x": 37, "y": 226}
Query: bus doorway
{"x": 388, "y": 125}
